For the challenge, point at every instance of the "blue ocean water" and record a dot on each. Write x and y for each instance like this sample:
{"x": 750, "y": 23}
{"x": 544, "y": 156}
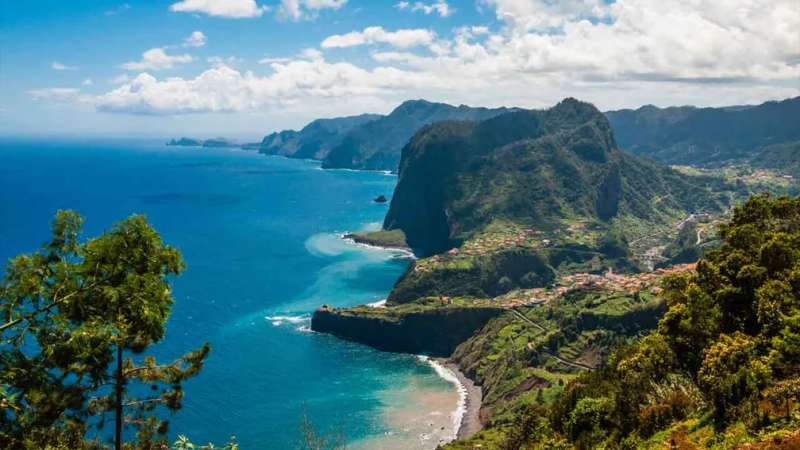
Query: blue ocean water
{"x": 260, "y": 237}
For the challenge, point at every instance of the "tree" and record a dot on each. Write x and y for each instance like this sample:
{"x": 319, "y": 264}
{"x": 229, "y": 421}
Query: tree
{"x": 78, "y": 318}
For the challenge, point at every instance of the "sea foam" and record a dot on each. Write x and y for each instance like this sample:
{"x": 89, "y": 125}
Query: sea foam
{"x": 449, "y": 376}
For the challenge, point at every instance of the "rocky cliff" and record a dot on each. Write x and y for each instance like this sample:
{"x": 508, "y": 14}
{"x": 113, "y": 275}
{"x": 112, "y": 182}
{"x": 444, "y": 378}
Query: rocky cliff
{"x": 538, "y": 169}
{"x": 434, "y": 331}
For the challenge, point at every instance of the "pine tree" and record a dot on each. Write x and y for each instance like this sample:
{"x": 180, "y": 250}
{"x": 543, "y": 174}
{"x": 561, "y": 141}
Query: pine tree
{"x": 79, "y": 317}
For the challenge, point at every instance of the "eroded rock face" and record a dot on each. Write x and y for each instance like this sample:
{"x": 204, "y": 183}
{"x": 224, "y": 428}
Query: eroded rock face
{"x": 435, "y": 332}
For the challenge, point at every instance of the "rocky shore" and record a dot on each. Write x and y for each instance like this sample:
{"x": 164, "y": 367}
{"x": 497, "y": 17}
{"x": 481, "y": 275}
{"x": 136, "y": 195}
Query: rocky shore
{"x": 393, "y": 240}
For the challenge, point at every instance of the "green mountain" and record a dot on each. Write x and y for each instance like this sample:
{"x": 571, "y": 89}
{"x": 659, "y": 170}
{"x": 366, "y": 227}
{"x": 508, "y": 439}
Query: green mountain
{"x": 689, "y": 135}
{"x": 315, "y": 140}
{"x": 719, "y": 370}
{"x": 543, "y": 170}
{"x": 784, "y": 158}
{"x": 376, "y": 145}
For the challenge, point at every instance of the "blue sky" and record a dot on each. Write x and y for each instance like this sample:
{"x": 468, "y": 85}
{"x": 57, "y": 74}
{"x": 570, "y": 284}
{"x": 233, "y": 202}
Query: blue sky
{"x": 245, "y": 67}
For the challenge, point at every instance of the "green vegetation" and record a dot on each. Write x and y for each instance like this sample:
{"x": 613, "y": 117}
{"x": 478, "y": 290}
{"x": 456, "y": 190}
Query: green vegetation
{"x": 541, "y": 170}
{"x": 377, "y": 145}
{"x": 420, "y": 305}
{"x": 381, "y": 238}
{"x": 695, "y": 136}
{"x": 781, "y": 157}
{"x": 720, "y": 370}
{"x": 78, "y": 320}
{"x": 315, "y": 140}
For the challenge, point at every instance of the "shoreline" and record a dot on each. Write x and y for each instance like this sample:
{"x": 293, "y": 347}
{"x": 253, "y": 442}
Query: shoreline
{"x": 470, "y": 420}
{"x": 466, "y": 416}
{"x": 352, "y": 240}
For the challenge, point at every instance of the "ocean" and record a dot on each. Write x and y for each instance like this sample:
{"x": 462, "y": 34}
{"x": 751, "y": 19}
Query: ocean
{"x": 261, "y": 238}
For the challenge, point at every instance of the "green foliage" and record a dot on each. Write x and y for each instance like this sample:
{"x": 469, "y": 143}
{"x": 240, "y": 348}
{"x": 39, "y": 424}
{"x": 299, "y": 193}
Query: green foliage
{"x": 76, "y": 316}
{"x": 688, "y": 135}
{"x": 726, "y": 348}
{"x": 537, "y": 169}
{"x": 376, "y": 145}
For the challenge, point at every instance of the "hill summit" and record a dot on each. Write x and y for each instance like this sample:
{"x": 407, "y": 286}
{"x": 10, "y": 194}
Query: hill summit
{"x": 541, "y": 169}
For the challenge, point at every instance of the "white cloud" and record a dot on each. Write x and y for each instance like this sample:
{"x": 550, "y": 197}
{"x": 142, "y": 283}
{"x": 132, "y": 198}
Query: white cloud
{"x": 224, "y": 89}
{"x": 525, "y": 15}
{"x": 439, "y": 7}
{"x": 230, "y": 9}
{"x": 306, "y": 9}
{"x": 55, "y": 65}
{"x": 373, "y": 35}
{"x": 87, "y": 82}
{"x": 631, "y": 53}
{"x": 196, "y": 39}
{"x": 157, "y": 59}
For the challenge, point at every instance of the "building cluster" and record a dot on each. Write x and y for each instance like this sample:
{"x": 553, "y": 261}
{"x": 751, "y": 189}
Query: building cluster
{"x": 609, "y": 281}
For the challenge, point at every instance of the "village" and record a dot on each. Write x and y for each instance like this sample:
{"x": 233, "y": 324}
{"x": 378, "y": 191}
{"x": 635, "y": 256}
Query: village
{"x": 627, "y": 284}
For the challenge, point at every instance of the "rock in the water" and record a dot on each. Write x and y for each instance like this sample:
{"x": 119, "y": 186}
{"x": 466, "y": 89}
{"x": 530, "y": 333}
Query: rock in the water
{"x": 380, "y": 199}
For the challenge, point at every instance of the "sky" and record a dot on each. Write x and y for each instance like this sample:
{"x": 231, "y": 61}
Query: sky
{"x": 243, "y": 68}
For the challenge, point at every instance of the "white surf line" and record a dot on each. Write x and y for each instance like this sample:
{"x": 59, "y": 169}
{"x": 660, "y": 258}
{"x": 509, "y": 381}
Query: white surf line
{"x": 279, "y": 320}
{"x": 449, "y": 376}
{"x": 405, "y": 253}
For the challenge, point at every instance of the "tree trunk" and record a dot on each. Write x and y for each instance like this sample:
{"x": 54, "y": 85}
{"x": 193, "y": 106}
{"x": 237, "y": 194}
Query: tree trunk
{"x": 118, "y": 402}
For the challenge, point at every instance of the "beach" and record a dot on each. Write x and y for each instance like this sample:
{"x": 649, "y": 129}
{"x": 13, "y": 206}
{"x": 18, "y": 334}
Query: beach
{"x": 470, "y": 418}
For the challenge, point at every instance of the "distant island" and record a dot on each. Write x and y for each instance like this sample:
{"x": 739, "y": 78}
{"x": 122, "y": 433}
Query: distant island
{"x": 219, "y": 142}
{"x": 186, "y": 142}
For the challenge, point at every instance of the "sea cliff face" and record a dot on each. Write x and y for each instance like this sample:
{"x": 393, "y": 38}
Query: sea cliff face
{"x": 434, "y": 332}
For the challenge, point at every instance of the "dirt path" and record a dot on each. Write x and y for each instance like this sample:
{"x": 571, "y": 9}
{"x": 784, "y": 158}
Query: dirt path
{"x": 575, "y": 364}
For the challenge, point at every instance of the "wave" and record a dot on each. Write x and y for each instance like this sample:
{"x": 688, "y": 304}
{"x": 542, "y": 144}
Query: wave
{"x": 450, "y": 376}
{"x": 279, "y": 320}
{"x": 378, "y": 304}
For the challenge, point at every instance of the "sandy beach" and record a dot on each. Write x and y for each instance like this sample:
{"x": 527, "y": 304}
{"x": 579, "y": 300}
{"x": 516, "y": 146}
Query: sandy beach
{"x": 470, "y": 421}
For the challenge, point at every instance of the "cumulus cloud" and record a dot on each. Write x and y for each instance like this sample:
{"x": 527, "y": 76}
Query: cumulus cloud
{"x": 306, "y": 9}
{"x": 224, "y": 89}
{"x": 440, "y": 7}
{"x": 157, "y": 59}
{"x": 55, "y": 65}
{"x": 196, "y": 39}
{"x": 87, "y": 82}
{"x": 624, "y": 54}
{"x": 230, "y": 9}
{"x": 373, "y": 35}
{"x": 524, "y": 15}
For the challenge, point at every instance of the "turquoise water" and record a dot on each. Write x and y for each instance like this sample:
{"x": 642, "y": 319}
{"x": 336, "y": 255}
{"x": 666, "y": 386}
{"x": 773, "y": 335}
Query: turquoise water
{"x": 260, "y": 236}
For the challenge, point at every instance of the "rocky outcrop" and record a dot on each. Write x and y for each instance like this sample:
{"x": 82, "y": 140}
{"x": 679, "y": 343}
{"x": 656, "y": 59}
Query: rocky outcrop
{"x": 434, "y": 332}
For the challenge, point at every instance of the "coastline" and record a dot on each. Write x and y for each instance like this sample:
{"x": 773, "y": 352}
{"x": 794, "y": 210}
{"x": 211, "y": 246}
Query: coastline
{"x": 466, "y": 416}
{"x": 470, "y": 420}
{"x": 350, "y": 238}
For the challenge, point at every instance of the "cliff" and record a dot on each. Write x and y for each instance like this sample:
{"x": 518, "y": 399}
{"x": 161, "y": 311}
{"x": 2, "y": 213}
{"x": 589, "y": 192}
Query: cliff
{"x": 315, "y": 140}
{"x": 377, "y": 145}
{"x": 539, "y": 169}
{"x": 431, "y": 330}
